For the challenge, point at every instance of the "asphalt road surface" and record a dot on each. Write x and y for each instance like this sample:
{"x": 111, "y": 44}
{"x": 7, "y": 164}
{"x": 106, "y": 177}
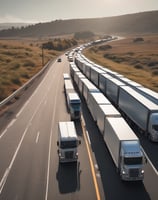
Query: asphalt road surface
{"x": 29, "y": 167}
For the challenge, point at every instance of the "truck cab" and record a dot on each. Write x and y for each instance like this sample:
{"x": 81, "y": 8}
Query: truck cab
{"x": 67, "y": 142}
{"x": 131, "y": 161}
{"x": 153, "y": 127}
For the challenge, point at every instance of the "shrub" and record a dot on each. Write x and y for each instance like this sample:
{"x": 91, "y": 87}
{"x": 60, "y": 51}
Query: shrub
{"x": 138, "y": 66}
{"x": 104, "y": 47}
{"x": 29, "y": 63}
{"x": 155, "y": 73}
{"x": 16, "y": 80}
{"x": 139, "y": 39}
{"x": 15, "y": 66}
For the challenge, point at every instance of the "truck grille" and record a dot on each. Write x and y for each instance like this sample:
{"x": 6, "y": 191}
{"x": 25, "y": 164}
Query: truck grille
{"x": 134, "y": 173}
{"x": 77, "y": 113}
{"x": 69, "y": 154}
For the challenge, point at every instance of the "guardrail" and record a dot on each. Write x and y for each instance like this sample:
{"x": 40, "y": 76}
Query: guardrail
{"x": 24, "y": 87}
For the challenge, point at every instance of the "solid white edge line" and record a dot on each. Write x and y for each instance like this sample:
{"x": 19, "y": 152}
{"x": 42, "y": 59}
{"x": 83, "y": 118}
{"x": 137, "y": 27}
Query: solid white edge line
{"x": 4, "y": 178}
{"x": 89, "y": 141}
{"x": 50, "y": 144}
{"x": 37, "y": 137}
{"x": 156, "y": 172}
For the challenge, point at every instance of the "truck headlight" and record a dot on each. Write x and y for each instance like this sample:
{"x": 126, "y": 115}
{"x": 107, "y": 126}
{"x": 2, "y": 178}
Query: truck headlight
{"x": 142, "y": 171}
{"x": 123, "y": 172}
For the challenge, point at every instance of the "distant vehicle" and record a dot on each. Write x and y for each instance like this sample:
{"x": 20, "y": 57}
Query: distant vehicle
{"x": 66, "y": 76}
{"x": 67, "y": 53}
{"x": 67, "y": 142}
{"x": 70, "y": 58}
{"x": 59, "y": 60}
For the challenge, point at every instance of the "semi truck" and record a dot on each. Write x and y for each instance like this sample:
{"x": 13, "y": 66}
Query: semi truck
{"x": 140, "y": 110}
{"x": 73, "y": 100}
{"x": 124, "y": 148}
{"x": 67, "y": 142}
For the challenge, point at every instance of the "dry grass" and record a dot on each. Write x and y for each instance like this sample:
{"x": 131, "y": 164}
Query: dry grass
{"x": 137, "y": 61}
{"x": 19, "y": 61}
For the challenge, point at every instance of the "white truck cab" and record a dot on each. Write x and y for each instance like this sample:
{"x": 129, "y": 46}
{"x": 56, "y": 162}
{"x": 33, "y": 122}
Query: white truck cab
{"x": 132, "y": 159}
{"x": 67, "y": 142}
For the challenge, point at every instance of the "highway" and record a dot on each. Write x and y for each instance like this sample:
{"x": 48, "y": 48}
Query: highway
{"x": 30, "y": 169}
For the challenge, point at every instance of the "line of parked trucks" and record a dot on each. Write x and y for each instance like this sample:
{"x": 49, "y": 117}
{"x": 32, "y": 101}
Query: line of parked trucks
{"x": 123, "y": 144}
{"x": 108, "y": 94}
{"x": 134, "y": 101}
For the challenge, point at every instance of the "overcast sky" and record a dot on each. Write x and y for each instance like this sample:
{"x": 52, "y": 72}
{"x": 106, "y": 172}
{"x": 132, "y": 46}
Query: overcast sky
{"x": 48, "y": 10}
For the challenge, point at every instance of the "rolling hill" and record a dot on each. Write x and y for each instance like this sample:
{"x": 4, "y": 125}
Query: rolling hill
{"x": 145, "y": 22}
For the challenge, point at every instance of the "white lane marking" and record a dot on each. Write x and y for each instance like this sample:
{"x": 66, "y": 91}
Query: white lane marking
{"x": 3, "y": 133}
{"x": 47, "y": 184}
{"x": 45, "y": 102}
{"x": 4, "y": 178}
{"x": 9, "y": 125}
{"x": 50, "y": 143}
{"x": 18, "y": 114}
{"x": 47, "y": 74}
{"x": 156, "y": 172}
{"x": 2, "y": 183}
{"x": 37, "y": 138}
{"x": 89, "y": 141}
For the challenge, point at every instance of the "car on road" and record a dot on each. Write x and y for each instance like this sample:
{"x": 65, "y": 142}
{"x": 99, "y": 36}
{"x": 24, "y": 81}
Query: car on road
{"x": 59, "y": 60}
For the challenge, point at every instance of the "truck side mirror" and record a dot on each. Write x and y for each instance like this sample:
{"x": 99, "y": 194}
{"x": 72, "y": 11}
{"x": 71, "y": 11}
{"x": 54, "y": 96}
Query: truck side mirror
{"x": 146, "y": 160}
{"x": 57, "y": 143}
{"x": 79, "y": 141}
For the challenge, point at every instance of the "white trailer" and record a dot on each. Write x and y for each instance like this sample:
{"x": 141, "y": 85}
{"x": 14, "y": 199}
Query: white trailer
{"x": 103, "y": 111}
{"x": 148, "y": 93}
{"x": 67, "y": 142}
{"x": 87, "y": 87}
{"x": 140, "y": 110}
{"x": 95, "y": 75}
{"x": 73, "y": 69}
{"x": 68, "y": 87}
{"x": 129, "y": 82}
{"x": 102, "y": 81}
{"x": 124, "y": 148}
{"x": 112, "y": 89}
{"x": 88, "y": 70}
{"x": 77, "y": 77}
{"x": 94, "y": 100}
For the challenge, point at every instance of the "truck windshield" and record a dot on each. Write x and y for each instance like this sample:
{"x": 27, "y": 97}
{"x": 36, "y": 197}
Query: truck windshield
{"x": 155, "y": 127}
{"x": 68, "y": 144}
{"x": 76, "y": 105}
{"x": 133, "y": 161}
